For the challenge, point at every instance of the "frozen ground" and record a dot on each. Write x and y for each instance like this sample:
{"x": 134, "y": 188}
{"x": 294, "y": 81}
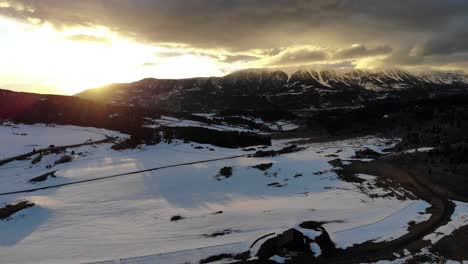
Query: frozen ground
{"x": 17, "y": 139}
{"x": 177, "y": 122}
{"x": 130, "y": 216}
{"x": 459, "y": 218}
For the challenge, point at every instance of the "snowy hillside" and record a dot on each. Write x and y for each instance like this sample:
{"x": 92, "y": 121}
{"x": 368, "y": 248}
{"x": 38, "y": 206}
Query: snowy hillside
{"x": 186, "y": 208}
{"x": 22, "y": 138}
{"x": 301, "y": 89}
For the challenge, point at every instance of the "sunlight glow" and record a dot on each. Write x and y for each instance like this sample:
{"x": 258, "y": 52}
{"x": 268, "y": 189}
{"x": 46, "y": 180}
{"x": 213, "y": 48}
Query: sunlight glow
{"x": 79, "y": 58}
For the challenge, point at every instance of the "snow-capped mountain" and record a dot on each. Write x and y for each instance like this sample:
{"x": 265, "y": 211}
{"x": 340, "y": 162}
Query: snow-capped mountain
{"x": 256, "y": 88}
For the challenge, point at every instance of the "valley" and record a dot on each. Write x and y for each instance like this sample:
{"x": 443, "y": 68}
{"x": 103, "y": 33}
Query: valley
{"x": 251, "y": 184}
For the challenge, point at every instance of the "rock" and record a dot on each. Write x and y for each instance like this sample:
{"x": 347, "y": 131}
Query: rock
{"x": 367, "y": 154}
{"x": 176, "y": 218}
{"x": 43, "y": 177}
{"x": 290, "y": 149}
{"x": 261, "y": 153}
{"x": 275, "y": 184}
{"x": 325, "y": 243}
{"x": 9, "y": 209}
{"x": 64, "y": 159}
{"x": 36, "y": 159}
{"x": 293, "y": 240}
{"x": 249, "y": 149}
{"x": 336, "y": 163}
{"x": 290, "y": 243}
{"x": 224, "y": 173}
{"x": 268, "y": 249}
{"x": 263, "y": 167}
{"x": 272, "y": 153}
{"x": 219, "y": 233}
{"x": 323, "y": 240}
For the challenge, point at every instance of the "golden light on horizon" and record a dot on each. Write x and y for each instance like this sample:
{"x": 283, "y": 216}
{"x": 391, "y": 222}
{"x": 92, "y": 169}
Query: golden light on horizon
{"x": 54, "y": 51}
{"x": 79, "y": 58}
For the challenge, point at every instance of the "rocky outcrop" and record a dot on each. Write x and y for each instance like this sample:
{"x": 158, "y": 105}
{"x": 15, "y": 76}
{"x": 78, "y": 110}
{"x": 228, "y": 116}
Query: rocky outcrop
{"x": 290, "y": 243}
{"x": 11, "y": 209}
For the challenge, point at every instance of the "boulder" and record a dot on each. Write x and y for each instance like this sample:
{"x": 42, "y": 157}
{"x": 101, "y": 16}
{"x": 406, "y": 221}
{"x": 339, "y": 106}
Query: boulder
{"x": 64, "y": 159}
{"x": 367, "y": 154}
{"x": 290, "y": 243}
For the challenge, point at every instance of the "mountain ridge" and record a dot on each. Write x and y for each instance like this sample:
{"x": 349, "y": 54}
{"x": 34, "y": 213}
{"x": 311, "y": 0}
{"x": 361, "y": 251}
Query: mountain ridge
{"x": 433, "y": 76}
{"x": 272, "y": 88}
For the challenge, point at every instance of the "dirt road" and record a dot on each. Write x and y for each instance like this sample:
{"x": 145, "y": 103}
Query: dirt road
{"x": 441, "y": 211}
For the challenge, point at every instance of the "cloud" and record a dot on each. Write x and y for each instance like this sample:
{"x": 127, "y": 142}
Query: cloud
{"x": 444, "y": 44}
{"x": 239, "y": 58}
{"x": 298, "y": 56}
{"x": 271, "y": 27}
{"x": 89, "y": 38}
{"x": 220, "y": 56}
{"x": 324, "y": 56}
{"x": 169, "y": 54}
{"x": 246, "y": 24}
{"x": 149, "y": 64}
{"x": 359, "y": 51}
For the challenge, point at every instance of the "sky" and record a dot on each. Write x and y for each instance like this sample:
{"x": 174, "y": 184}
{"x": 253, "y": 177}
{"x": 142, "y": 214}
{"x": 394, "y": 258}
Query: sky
{"x": 64, "y": 47}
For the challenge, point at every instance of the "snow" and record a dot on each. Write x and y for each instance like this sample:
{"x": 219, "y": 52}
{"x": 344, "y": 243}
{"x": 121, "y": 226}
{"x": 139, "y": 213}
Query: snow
{"x": 281, "y": 125}
{"x": 438, "y": 77}
{"x": 130, "y": 216}
{"x": 278, "y": 259}
{"x": 399, "y": 86}
{"x": 373, "y": 86}
{"x": 321, "y": 80}
{"x": 207, "y": 115}
{"x": 288, "y": 126}
{"x": 459, "y": 218}
{"x": 17, "y": 139}
{"x": 185, "y": 256}
{"x": 424, "y": 149}
{"x": 392, "y": 226}
{"x": 424, "y": 251}
{"x": 175, "y": 122}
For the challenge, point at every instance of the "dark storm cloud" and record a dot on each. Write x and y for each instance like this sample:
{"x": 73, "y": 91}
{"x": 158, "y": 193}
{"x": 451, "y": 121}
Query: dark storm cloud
{"x": 250, "y": 23}
{"x": 242, "y": 25}
{"x": 444, "y": 44}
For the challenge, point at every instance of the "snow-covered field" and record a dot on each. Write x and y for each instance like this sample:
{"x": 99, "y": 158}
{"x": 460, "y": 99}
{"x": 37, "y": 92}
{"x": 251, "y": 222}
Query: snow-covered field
{"x": 17, "y": 139}
{"x": 176, "y": 122}
{"x": 459, "y": 218}
{"x": 169, "y": 121}
{"x": 130, "y": 216}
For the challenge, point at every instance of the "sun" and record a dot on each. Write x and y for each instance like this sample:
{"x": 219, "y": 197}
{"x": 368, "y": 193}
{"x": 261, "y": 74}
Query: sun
{"x": 74, "y": 59}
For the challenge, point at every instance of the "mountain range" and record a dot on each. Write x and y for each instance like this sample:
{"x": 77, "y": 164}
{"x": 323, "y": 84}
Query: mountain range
{"x": 302, "y": 89}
